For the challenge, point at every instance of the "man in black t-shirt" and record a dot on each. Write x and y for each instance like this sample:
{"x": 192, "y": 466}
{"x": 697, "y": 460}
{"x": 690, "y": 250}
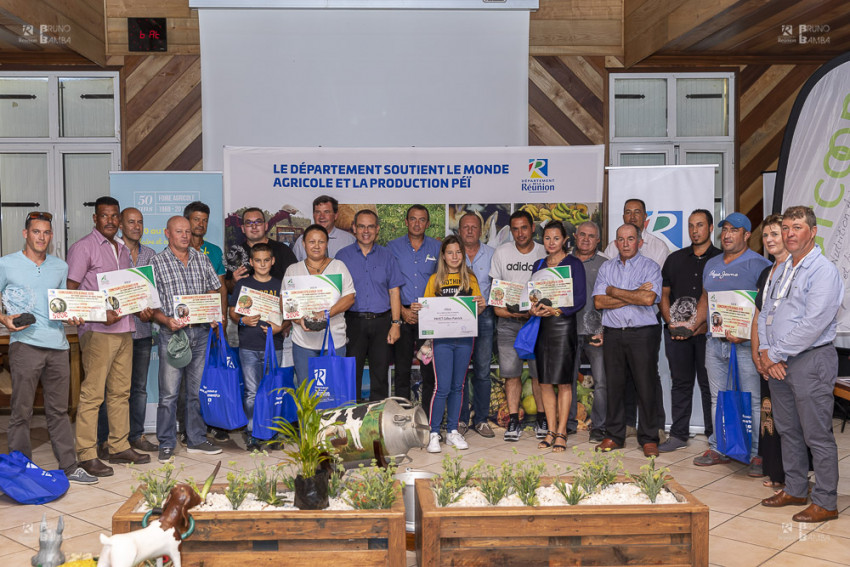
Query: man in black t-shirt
{"x": 255, "y": 228}
{"x": 683, "y": 339}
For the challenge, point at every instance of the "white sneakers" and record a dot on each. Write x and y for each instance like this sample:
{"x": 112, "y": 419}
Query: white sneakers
{"x": 456, "y": 440}
{"x": 453, "y": 439}
{"x": 434, "y": 443}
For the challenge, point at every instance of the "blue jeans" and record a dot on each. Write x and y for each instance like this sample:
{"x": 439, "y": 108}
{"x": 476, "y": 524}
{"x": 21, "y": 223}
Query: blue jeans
{"x": 717, "y": 353}
{"x": 253, "y": 369}
{"x": 170, "y": 379}
{"x": 482, "y": 353}
{"x": 451, "y": 361}
{"x": 600, "y": 387}
{"x": 138, "y": 393}
{"x": 301, "y": 356}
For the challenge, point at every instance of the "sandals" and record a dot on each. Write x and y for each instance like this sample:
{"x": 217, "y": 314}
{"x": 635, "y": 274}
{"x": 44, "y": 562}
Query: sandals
{"x": 546, "y": 443}
{"x": 559, "y": 448}
{"x": 770, "y": 484}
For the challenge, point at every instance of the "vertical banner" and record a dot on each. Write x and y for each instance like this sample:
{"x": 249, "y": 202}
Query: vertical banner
{"x": 768, "y": 185}
{"x": 670, "y": 192}
{"x": 160, "y": 195}
{"x": 814, "y": 164}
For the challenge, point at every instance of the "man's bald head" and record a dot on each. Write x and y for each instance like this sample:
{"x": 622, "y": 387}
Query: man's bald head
{"x": 178, "y": 231}
{"x": 132, "y": 226}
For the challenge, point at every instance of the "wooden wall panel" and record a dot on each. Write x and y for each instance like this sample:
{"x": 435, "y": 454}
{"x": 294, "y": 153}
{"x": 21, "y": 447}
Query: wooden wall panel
{"x": 162, "y": 113}
{"x": 577, "y": 27}
{"x": 566, "y": 100}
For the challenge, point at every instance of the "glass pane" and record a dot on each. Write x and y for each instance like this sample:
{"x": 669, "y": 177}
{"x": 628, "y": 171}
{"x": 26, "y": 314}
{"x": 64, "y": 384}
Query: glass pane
{"x": 702, "y": 107}
{"x": 640, "y": 108}
{"x": 87, "y": 108}
{"x": 643, "y": 159}
{"x": 23, "y": 188}
{"x": 24, "y": 107}
{"x": 716, "y": 158}
{"x": 86, "y": 178}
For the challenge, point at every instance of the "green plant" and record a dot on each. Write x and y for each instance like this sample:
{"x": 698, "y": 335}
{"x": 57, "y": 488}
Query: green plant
{"x": 238, "y": 487}
{"x": 263, "y": 479}
{"x": 526, "y": 479}
{"x": 335, "y": 483}
{"x": 651, "y": 480}
{"x": 598, "y": 472}
{"x": 156, "y": 484}
{"x": 455, "y": 473}
{"x": 289, "y": 482}
{"x": 572, "y": 493}
{"x": 311, "y": 447}
{"x": 496, "y": 483}
{"x": 375, "y": 488}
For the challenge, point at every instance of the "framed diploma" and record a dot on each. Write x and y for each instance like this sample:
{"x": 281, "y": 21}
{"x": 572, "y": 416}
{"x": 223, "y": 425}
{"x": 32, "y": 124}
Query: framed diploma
{"x": 554, "y": 284}
{"x": 200, "y": 308}
{"x": 731, "y": 311}
{"x": 448, "y": 317}
{"x": 252, "y": 302}
{"x": 129, "y": 291}
{"x": 67, "y": 303}
{"x": 306, "y": 295}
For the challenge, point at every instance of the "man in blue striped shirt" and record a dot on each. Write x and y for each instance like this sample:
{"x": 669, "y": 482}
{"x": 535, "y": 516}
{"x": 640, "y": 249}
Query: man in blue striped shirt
{"x": 626, "y": 289}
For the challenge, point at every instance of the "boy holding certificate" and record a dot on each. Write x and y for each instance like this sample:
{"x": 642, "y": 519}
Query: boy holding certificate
{"x": 252, "y": 330}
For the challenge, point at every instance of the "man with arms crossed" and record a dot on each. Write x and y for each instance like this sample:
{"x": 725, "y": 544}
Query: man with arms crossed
{"x": 738, "y": 268}
{"x": 478, "y": 258}
{"x": 626, "y": 289}
{"x": 416, "y": 255}
{"x": 683, "y": 339}
{"x": 796, "y": 330}
{"x": 325, "y": 209}
{"x": 38, "y": 352}
{"x": 514, "y": 261}
{"x": 373, "y": 322}
{"x": 107, "y": 348}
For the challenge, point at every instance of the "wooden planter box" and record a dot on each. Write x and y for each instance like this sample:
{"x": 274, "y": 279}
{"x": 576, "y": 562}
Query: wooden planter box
{"x": 323, "y": 538}
{"x": 663, "y": 534}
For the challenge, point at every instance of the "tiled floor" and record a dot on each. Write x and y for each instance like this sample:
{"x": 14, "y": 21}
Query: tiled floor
{"x": 743, "y": 532}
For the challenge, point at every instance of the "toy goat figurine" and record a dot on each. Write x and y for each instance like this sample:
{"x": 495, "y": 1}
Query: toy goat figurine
{"x": 49, "y": 542}
{"x": 161, "y": 537}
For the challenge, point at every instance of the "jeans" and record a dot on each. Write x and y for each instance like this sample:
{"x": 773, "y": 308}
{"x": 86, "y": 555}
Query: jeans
{"x": 482, "y": 353}
{"x": 253, "y": 370}
{"x": 170, "y": 379}
{"x": 687, "y": 359}
{"x": 717, "y": 352}
{"x": 451, "y": 361}
{"x": 301, "y": 356}
{"x": 600, "y": 384}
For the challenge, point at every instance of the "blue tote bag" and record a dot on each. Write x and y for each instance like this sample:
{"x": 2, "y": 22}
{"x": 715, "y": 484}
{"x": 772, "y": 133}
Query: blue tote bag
{"x": 334, "y": 375}
{"x": 26, "y": 483}
{"x": 734, "y": 418}
{"x": 526, "y": 338}
{"x": 270, "y": 402}
{"x": 220, "y": 393}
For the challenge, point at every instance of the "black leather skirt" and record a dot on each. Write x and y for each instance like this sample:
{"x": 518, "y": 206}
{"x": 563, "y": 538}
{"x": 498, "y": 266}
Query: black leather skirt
{"x": 555, "y": 351}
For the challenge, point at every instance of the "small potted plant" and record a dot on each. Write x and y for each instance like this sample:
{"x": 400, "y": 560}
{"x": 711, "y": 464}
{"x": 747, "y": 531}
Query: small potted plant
{"x": 307, "y": 448}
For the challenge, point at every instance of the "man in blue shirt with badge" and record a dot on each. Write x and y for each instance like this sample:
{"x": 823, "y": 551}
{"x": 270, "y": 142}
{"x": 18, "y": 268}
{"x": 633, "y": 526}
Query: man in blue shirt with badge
{"x": 373, "y": 323}
{"x": 416, "y": 255}
{"x": 38, "y": 349}
{"x": 737, "y": 269}
{"x": 796, "y": 328}
{"x": 626, "y": 289}
{"x": 478, "y": 256}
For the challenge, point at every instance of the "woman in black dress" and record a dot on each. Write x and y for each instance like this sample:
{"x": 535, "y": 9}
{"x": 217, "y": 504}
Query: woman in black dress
{"x": 557, "y": 340}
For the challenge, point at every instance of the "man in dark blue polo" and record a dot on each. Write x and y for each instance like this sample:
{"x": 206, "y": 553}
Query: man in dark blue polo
{"x": 373, "y": 323}
{"x": 416, "y": 255}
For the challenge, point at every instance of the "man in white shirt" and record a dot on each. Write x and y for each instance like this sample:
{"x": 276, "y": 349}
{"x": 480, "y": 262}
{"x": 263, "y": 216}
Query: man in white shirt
{"x": 325, "y": 209}
{"x": 634, "y": 212}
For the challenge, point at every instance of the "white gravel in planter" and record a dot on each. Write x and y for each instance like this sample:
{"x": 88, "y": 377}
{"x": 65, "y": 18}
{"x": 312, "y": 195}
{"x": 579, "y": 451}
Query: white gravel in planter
{"x": 626, "y": 493}
{"x": 218, "y": 502}
{"x": 469, "y": 498}
{"x": 620, "y": 493}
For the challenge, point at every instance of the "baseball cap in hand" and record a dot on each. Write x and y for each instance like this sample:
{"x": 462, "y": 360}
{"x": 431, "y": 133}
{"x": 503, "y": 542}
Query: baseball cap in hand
{"x": 178, "y": 352}
{"x": 737, "y": 220}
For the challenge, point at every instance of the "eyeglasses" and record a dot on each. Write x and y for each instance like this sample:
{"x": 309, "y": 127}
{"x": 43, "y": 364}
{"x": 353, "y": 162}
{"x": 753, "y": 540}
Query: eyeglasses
{"x": 38, "y": 215}
{"x": 253, "y": 222}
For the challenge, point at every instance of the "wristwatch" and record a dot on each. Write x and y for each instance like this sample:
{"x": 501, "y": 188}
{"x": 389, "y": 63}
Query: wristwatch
{"x": 397, "y": 321}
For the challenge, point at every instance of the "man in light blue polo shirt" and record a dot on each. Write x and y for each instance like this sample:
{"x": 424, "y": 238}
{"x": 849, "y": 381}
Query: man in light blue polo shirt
{"x": 626, "y": 289}
{"x": 738, "y": 268}
{"x": 38, "y": 352}
{"x": 478, "y": 256}
{"x": 796, "y": 328}
{"x": 416, "y": 255}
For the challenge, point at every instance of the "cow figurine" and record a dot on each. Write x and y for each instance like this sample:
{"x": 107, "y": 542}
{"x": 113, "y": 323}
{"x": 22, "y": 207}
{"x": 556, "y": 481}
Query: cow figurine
{"x": 161, "y": 537}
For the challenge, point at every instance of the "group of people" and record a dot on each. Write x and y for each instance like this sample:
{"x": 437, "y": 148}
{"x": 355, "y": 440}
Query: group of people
{"x": 620, "y": 300}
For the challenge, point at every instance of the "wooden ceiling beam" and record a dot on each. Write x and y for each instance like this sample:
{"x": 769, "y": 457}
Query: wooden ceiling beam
{"x": 69, "y": 31}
